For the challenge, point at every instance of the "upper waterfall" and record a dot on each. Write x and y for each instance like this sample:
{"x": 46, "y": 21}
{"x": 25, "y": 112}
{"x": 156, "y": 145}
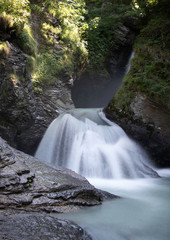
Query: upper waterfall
{"x": 92, "y": 146}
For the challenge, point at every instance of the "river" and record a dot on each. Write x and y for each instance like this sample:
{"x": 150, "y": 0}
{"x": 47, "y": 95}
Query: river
{"x": 143, "y": 213}
{"x": 86, "y": 142}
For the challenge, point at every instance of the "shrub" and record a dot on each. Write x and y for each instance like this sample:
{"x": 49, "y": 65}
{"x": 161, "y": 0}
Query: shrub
{"x": 19, "y": 10}
{"x": 27, "y": 42}
{"x": 47, "y": 67}
{"x": 4, "y": 50}
{"x": 6, "y": 22}
{"x": 30, "y": 64}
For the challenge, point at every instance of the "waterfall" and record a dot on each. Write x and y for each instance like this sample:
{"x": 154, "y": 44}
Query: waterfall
{"x": 86, "y": 142}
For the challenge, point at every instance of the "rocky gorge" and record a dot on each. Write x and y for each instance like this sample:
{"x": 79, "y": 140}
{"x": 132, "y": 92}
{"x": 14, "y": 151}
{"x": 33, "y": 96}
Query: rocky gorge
{"x": 29, "y": 189}
{"x": 147, "y": 123}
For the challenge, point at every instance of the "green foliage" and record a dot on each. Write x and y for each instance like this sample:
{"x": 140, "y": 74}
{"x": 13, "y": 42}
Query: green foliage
{"x": 14, "y": 18}
{"x": 4, "y": 50}
{"x": 86, "y": 33}
{"x": 151, "y": 76}
{"x": 46, "y": 70}
{"x": 104, "y": 18}
{"x": 6, "y": 22}
{"x": 124, "y": 97}
{"x": 70, "y": 32}
{"x": 8, "y": 27}
{"x": 49, "y": 31}
{"x": 36, "y": 8}
{"x": 157, "y": 32}
{"x": 30, "y": 64}
{"x": 19, "y": 10}
{"x": 26, "y": 41}
{"x": 150, "y": 66}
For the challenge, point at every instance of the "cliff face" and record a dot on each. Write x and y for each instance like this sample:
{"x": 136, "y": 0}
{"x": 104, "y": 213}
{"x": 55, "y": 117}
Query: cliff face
{"x": 147, "y": 123}
{"x": 141, "y": 106}
{"x": 30, "y": 185}
{"x": 35, "y": 78}
{"x": 43, "y": 54}
{"x": 24, "y": 117}
{"x": 17, "y": 103}
{"x": 33, "y": 85}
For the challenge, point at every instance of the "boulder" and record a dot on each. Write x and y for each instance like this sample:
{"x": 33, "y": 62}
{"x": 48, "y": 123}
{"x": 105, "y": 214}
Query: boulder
{"x": 19, "y": 226}
{"x": 17, "y": 103}
{"x": 30, "y": 185}
{"x": 24, "y": 117}
{"x": 146, "y": 122}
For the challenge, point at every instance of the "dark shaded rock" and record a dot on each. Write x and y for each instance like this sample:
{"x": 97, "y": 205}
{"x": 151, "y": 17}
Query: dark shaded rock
{"x": 124, "y": 39}
{"x": 49, "y": 104}
{"x": 23, "y": 116}
{"x": 28, "y": 184}
{"x": 24, "y": 226}
{"x": 148, "y": 123}
{"x": 17, "y": 104}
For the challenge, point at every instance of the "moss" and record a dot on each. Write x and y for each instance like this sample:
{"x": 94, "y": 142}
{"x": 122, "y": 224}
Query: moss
{"x": 102, "y": 29}
{"x": 6, "y": 22}
{"x": 149, "y": 73}
{"x": 37, "y": 90}
{"x": 46, "y": 70}
{"x": 4, "y": 50}
{"x": 30, "y": 64}
{"x": 50, "y": 32}
{"x": 27, "y": 42}
{"x": 36, "y": 8}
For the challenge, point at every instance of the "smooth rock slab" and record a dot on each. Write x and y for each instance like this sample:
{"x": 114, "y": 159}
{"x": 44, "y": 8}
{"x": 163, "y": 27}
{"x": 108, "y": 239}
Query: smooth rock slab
{"x": 30, "y": 185}
{"x": 35, "y": 226}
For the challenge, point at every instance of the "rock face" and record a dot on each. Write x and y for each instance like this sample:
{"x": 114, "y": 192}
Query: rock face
{"x": 94, "y": 90}
{"x": 17, "y": 103}
{"x": 147, "y": 123}
{"x": 23, "y": 116}
{"x": 49, "y": 104}
{"x": 39, "y": 227}
{"x": 124, "y": 40}
{"x": 27, "y": 184}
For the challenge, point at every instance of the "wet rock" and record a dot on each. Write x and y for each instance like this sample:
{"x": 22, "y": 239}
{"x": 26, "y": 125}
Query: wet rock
{"x": 147, "y": 123}
{"x": 49, "y": 104}
{"x": 17, "y": 104}
{"x": 30, "y": 185}
{"x": 23, "y": 116}
{"x": 24, "y": 226}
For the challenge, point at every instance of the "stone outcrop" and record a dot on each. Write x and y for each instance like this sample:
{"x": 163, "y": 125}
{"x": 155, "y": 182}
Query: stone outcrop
{"x": 17, "y": 103}
{"x": 96, "y": 89}
{"x": 19, "y": 226}
{"x": 124, "y": 39}
{"x": 24, "y": 117}
{"x": 148, "y": 123}
{"x": 30, "y": 185}
{"x": 53, "y": 100}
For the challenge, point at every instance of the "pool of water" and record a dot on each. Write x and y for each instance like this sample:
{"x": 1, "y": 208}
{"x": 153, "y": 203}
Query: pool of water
{"x": 143, "y": 212}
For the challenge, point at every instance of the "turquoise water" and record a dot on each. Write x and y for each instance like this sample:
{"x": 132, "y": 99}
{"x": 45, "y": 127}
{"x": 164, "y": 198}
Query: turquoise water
{"x": 89, "y": 144}
{"x": 143, "y": 213}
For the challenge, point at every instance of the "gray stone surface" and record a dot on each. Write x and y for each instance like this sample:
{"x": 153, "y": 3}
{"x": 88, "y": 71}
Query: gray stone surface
{"x": 30, "y": 185}
{"x": 35, "y": 226}
{"x": 49, "y": 104}
{"x": 17, "y": 103}
{"x": 147, "y": 123}
{"x": 24, "y": 117}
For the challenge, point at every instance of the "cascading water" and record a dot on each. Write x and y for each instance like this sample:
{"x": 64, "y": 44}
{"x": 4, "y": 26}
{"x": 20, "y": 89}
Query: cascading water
{"x": 92, "y": 146}
{"x": 101, "y": 151}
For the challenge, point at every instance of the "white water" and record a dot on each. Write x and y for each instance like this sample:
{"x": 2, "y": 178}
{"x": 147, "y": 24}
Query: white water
{"x": 95, "y": 147}
{"x": 92, "y": 147}
{"x": 143, "y": 213}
